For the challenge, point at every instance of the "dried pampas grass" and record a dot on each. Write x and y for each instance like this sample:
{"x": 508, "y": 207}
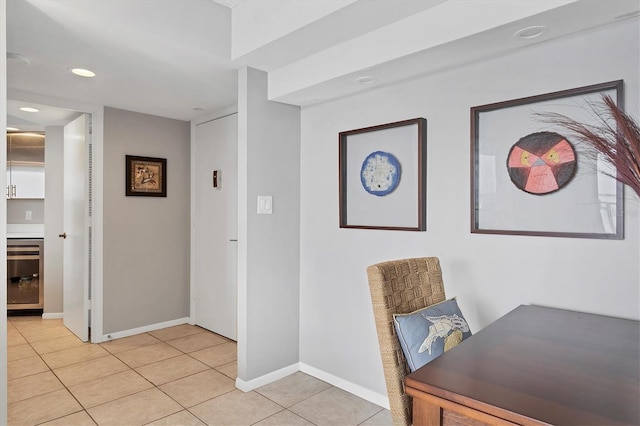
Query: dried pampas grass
{"x": 615, "y": 135}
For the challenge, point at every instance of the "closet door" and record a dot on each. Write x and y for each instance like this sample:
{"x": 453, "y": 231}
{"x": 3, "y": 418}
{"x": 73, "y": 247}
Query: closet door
{"x": 216, "y": 211}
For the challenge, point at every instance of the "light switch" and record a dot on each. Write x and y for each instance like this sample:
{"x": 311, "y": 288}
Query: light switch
{"x": 27, "y": 214}
{"x": 265, "y": 204}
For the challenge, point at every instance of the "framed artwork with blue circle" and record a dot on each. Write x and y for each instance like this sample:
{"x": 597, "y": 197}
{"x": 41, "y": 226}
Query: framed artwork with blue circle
{"x": 382, "y": 176}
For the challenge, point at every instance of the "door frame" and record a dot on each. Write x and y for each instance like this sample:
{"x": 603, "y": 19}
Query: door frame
{"x": 192, "y": 263}
{"x": 3, "y": 207}
{"x": 97, "y": 219}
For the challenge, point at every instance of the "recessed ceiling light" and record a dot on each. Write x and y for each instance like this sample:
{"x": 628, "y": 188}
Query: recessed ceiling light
{"x": 365, "y": 79}
{"x": 530, "y": 32}
{"x": 29, "y": 109}
{"x": 12, "y": 129}
{"x": 83, "y": 72}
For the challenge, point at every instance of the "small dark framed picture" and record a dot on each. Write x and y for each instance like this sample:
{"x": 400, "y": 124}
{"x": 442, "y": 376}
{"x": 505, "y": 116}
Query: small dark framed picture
{"x": 146, "y": 176}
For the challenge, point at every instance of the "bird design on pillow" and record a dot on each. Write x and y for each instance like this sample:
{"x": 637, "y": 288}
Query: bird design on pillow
{"x": 441, "y": 327}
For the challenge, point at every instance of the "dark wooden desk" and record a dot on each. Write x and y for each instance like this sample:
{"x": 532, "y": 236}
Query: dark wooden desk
{"x": 535, "y": 366}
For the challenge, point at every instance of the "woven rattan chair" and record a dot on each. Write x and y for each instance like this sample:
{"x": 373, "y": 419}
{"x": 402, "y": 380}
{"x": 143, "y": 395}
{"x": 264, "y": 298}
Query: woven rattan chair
{"x": 401, "y": 287}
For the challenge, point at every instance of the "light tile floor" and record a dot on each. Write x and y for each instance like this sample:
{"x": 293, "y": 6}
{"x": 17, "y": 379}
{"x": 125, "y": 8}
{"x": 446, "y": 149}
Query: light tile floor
{"x": 182, "y": 375}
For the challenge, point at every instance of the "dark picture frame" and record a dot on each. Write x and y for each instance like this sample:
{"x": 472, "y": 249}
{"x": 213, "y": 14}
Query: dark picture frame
{"x": 587, "y": 204}
{"x": 382, "y": 176}
{"x": 145, "y": 176}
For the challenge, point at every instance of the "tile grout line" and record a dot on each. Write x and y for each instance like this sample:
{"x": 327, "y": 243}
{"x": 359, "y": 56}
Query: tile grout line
{"x": 58, "y": 378}
{"x": 288, "y": 408}
{"x": 109, "y": 353}
{"x": 182, "y": 408}
{"x": 210, "y": 368}
{"x": 153, "y": 385}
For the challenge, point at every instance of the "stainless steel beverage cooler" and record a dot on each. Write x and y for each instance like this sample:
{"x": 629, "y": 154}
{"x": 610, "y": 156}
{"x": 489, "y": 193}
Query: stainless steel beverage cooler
{"x": 24, "y": 274}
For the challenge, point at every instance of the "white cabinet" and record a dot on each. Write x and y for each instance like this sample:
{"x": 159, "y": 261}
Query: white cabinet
{"x": 25, "y": 165}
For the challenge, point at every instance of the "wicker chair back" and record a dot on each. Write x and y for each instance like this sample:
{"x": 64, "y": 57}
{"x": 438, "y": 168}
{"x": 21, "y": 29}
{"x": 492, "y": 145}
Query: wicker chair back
{"x": 401, "y": 287}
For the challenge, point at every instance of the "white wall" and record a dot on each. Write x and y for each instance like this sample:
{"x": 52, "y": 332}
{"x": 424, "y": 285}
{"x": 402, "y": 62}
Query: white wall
{"x": 490, "y": 274}
{"x": 53, "y": 219}
{"x": 268, "y": 245}
{"x": 17, "y": 208}
{"x": 146, "y": 239}
{"x": 3, "y": 206}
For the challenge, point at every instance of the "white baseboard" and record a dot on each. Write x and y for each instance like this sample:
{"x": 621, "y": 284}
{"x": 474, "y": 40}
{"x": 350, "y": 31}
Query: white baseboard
{"x": 246, "y": 386}
{"x": 146, "y": 328}
{"x": 55, "y": 315}
{"x": 362, "y": 392}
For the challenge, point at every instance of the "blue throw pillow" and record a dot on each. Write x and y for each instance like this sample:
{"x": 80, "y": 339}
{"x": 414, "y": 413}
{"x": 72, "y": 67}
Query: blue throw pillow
{"x": 427, "y": 333}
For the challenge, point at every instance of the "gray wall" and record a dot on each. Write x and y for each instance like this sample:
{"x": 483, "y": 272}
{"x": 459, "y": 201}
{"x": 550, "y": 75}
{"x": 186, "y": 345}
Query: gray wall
{"x": 146, "y": 239}
{"x": 490, "y": 274}
{"x": 268, "y": 250}
{"x": 53, "y": 219}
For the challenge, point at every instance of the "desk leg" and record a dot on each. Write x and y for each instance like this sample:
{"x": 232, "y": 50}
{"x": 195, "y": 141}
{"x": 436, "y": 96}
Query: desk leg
{"x": 426, "y": 414}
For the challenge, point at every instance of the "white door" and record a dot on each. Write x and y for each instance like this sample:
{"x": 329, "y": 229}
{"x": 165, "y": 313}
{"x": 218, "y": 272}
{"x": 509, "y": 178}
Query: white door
{"x": 216, "y": 211}
{"x": 75, "y": 252}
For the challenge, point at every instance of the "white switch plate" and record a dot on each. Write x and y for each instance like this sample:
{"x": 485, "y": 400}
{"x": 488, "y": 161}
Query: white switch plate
{"x": 27, "y": 214}
{"x": 265, "y": 204}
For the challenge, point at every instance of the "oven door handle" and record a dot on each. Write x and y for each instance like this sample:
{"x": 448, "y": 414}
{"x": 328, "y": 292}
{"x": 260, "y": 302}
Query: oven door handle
{"x": 16, "y": 249}
{"x": 23, "y": 257}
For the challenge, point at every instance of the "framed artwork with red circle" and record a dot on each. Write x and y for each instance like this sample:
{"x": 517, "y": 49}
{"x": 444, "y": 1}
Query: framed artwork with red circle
{"x": 531, "y": 177}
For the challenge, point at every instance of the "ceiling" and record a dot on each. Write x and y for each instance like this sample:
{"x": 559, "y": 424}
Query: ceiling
{"x": 180, "y": 58}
